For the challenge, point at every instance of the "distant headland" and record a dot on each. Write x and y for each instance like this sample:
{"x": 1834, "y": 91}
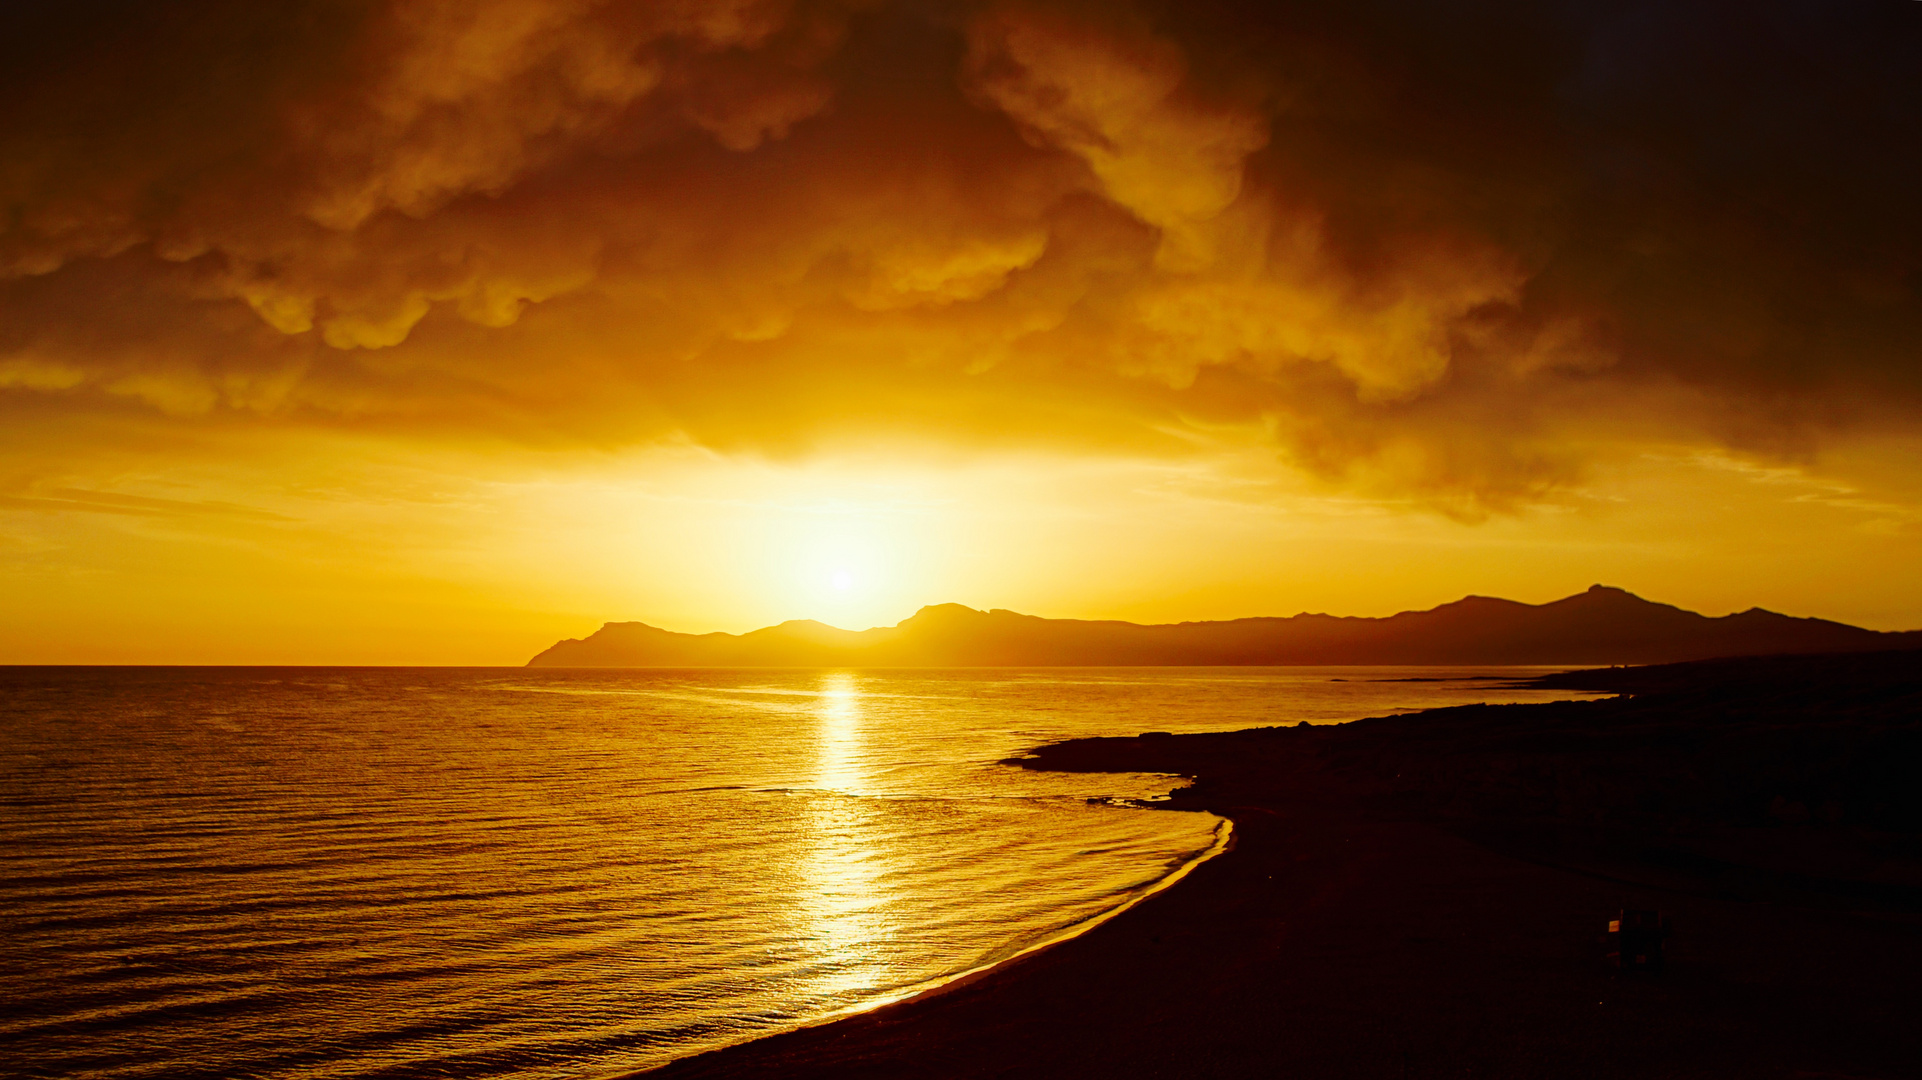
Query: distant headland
{"x": 1603, "y": 625}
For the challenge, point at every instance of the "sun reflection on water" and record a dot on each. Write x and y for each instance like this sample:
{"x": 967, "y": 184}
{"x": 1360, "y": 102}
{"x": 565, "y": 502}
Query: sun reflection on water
{"x": 845, "y": 904}
{"x": 840, "y": 738}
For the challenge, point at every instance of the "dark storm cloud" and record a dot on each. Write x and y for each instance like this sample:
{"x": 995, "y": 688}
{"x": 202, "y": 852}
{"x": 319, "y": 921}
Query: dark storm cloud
{"x": 1439, "y": 249}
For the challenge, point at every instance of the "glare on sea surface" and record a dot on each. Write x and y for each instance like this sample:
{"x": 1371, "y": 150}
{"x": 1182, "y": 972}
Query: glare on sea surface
{"x": 840, "y": 717}
{"x": 842, "y": 899}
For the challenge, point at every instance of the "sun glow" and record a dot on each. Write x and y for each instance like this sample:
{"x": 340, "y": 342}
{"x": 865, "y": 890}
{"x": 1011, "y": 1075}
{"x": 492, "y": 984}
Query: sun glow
{"x": 842, "y": 560}
{"x": 474, "y": 561}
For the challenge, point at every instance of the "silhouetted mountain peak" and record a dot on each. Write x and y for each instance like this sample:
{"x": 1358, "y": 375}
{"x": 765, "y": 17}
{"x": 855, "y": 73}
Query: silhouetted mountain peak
{"x": 943, "y": 612}
{"x": 1468, "y": 607}
{"x": 1609, "y": 594}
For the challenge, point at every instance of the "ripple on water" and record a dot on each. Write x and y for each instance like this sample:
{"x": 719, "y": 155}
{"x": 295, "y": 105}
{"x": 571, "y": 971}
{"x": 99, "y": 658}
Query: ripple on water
{"x": 220, "y": 872}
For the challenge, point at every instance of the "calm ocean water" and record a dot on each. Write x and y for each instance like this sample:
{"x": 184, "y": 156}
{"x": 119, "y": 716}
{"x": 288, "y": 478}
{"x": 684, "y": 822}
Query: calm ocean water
{"x": 301, "y": 872}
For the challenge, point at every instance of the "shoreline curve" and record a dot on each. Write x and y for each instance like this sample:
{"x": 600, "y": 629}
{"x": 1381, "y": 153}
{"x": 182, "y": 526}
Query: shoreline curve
{"x": 1224, "y": 841}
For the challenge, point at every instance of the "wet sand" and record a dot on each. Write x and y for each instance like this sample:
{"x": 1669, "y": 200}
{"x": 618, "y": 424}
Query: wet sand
{"x": 1354, "y": 932}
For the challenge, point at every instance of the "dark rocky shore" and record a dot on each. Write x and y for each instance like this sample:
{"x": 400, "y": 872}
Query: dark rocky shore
{"x": 1425, "y": 896}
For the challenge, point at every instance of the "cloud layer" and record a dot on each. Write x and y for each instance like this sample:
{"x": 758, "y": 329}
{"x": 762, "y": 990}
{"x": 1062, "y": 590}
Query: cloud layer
{"x": 1431, "y": 251}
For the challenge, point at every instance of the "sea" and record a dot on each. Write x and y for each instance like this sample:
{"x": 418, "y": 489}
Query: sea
{"x": 435, "y": 872}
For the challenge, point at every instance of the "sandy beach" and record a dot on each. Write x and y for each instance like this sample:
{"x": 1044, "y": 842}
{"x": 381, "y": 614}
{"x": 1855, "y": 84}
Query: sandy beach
{"x": 1356, "y": 931}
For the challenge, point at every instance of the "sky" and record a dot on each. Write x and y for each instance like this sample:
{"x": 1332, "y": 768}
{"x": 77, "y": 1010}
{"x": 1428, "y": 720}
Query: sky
{"x": 431, "y": 331}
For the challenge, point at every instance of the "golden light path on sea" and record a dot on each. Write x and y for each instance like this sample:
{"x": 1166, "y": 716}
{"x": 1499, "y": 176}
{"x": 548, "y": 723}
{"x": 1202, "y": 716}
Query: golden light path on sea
{"x": 843, "y": 899}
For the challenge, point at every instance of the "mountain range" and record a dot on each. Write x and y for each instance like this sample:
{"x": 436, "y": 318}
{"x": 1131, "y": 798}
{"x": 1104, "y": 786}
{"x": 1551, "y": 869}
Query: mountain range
{"x": 1603, "y": 625}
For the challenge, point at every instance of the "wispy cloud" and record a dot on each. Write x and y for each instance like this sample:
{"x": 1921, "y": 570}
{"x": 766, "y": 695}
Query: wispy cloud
{"x": 106, "y": 502}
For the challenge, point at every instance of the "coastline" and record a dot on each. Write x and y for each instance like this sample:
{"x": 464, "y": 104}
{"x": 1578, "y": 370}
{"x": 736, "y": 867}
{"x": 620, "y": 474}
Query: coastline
{"x": 1224, "y": 840}
{"x": 1355, "y": 929}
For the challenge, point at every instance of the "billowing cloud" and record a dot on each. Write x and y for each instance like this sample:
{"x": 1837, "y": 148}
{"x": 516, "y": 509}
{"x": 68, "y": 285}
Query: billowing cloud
{"x": 1443, "y": 254}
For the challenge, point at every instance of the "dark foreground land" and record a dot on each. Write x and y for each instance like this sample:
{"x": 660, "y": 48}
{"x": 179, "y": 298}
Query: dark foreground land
{"x": 1424, "y": 896}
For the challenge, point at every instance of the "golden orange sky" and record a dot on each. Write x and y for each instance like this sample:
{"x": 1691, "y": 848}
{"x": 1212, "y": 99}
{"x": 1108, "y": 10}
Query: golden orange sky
{"x": 433, "y": 331}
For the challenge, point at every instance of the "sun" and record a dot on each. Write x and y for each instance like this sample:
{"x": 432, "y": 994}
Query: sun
{"x": 837, "y": 570}
{"x": 851, "y": 551}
